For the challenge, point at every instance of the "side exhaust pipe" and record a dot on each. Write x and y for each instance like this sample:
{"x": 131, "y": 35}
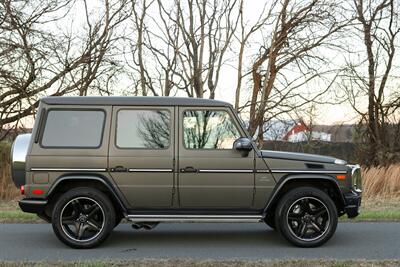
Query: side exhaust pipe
{"x": 144, "y": 225}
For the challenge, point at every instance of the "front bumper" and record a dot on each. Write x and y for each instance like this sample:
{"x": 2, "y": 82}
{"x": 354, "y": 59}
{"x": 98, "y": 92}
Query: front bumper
{"x": 352, "y": 203}
{"x": 33, "y": 205}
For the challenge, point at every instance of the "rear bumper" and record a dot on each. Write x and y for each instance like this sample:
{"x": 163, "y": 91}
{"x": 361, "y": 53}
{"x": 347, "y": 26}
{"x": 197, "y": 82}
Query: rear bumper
{"x": 33, "y": 205}
{"x": 352, "y": 203}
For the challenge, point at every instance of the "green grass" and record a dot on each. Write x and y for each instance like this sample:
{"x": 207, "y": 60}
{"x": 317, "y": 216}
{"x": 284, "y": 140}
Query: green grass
{"x": 378, "y": 209}
{"x": 211, "y": 263}
{"x": 18, "y": 216}
{"x": 384, "y": 215}
{"x": 11, "y": 213}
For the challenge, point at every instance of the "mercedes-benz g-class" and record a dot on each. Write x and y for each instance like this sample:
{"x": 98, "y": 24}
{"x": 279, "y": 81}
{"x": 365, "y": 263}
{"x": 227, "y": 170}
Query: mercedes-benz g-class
{"x": 92, "y": 161}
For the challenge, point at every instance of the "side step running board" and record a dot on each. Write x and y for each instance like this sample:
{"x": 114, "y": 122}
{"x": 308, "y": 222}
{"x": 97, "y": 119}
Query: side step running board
{"x": 194, "y": 218}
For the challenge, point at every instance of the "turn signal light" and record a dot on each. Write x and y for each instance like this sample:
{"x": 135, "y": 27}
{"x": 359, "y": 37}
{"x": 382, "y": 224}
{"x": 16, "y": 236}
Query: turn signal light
{"x": 37, "y": 191}
{"x": 22, "y": 190}
{"x": 341, "y": 177}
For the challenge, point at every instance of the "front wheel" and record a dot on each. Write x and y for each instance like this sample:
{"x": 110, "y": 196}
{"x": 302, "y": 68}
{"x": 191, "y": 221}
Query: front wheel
{"x": 306, "y": 217}
{"x": 83, "y": 217}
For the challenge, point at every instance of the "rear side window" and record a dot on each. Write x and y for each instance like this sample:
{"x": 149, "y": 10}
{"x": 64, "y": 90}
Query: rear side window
{"x": 73, "y": 128}
{"x": 143, "y": 129}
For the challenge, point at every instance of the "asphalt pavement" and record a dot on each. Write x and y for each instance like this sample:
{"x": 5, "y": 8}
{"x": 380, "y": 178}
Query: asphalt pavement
{"x": 202, "y": 241}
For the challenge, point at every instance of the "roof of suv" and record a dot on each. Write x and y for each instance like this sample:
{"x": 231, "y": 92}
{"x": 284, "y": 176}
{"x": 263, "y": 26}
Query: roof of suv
{"x": 132, "y": 100}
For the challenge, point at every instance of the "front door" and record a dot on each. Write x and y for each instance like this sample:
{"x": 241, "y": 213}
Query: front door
{"x": 141, "y": 155}
{"x": 211, "y": 173}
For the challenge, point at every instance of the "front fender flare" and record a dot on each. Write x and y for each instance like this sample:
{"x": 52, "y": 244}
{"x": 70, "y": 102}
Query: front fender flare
{"x": 300, "y": 177}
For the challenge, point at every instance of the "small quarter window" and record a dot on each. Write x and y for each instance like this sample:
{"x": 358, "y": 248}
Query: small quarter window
{"x": 73, "y": 128}
{"x": 208, "y": 129}
{"x": 143, "y": 129}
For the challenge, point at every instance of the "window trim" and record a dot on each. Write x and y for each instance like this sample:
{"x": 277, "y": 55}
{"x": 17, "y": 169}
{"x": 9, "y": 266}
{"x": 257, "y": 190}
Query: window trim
{"x": 43, "y": 127}
{"x": 143, "y": 109}
{"x": 207, "y": 109}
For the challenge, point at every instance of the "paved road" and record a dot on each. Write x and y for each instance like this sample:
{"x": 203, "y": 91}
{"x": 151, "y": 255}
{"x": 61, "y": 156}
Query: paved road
{"x": 202, "y": 241}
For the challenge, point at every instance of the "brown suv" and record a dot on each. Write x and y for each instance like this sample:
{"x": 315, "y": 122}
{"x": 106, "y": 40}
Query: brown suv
{"x": 92, "y": 161}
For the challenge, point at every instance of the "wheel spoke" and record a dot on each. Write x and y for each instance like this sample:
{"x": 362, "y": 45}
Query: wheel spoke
{"x": 93, "y": 211}
{"x": 303, "y": 229}
{"x": 73, "y": 216}
{"x": 68, "y": 222}
{"x": 94, "y": 225}
{"x": 81, "y": 229}
{"x": 294, "y": 216}
{"x": 76, "y": 205}
{"x": 305, "y": 205}
{"x": 319, "y": 212}
{"x": 299, "y": 227}
{"x": 316, "y": 227}
{"x": 90, "y": 208}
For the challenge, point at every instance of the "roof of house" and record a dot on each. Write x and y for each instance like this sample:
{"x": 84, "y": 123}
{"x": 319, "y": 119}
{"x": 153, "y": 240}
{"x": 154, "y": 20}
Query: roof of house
{"x": 132, "y": 100}
{"x": 299, "y": 127}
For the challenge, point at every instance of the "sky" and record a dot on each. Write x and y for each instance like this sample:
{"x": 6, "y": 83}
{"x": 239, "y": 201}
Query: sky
{"x": 325, "y": 113}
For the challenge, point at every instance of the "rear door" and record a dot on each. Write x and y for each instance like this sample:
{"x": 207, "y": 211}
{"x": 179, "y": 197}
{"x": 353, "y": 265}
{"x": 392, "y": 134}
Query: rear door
{"x": 141, "y": 154}
{"x": 212, "y": 174}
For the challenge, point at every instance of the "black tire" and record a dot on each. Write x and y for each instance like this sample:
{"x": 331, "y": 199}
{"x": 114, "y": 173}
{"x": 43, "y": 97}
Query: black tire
{"x": 270, "y": 221}
{"x": 306, "y": 217}
{"x": 118, "y": 220}
{"x": 83, "y": 217}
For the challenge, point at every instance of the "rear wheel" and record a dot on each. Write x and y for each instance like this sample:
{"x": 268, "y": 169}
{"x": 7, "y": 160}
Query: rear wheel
{"x": 306, "y": 217}
{"x": 83, "y": 217}
{"x": 118, "y": 219}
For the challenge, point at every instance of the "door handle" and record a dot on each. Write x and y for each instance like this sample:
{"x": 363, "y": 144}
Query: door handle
{"x": 119, "y": 169}
{"x": 189, "y": 169}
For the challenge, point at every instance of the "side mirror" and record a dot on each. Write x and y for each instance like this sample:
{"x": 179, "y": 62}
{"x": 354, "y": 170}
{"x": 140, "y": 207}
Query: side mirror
{"x": 243, "y": 145}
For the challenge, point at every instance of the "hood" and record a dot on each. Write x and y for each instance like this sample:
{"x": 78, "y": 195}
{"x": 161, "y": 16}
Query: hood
{"x": 300, "y": 156}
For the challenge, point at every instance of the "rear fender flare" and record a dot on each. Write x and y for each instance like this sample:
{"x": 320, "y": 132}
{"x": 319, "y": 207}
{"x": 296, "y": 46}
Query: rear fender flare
{"x": 114, "y": 193}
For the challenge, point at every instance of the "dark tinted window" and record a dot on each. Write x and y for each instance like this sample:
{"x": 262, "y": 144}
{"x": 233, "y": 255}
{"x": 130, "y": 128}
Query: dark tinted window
{"x": 73, "y": 128}
{"x": 208, "y": 129}
{"x": 143, "y": 129}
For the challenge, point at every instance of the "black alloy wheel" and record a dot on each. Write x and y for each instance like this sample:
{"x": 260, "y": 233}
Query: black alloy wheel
{"x": 83, "y": 217}
{"x": 306, "y": 217}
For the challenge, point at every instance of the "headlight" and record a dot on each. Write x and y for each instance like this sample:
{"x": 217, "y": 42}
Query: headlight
{"x": 340, "y": 162}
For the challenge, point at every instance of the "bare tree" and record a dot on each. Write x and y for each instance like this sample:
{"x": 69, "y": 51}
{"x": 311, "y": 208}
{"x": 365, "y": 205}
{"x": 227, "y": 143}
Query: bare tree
{"x": 245, "y": 34}
{"x": 300, "y": 29}
{"x": 39, "y": 61}
{"x": 378, "y": 28}
{"x": 188, "y": 43}
{"x": 138, "y": 47}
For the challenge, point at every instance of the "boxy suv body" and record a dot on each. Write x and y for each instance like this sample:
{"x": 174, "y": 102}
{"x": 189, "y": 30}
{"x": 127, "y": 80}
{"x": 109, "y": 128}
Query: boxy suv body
{"x": 92, "y": 161}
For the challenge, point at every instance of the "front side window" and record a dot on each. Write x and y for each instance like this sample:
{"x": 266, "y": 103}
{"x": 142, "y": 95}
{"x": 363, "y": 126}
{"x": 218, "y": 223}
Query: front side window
{"x": 143, "y": 129}
{"x": 208, "y": 129}
{"x": 73, "y": 128}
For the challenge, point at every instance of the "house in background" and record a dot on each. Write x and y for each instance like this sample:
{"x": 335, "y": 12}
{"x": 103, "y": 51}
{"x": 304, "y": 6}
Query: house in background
{"x": 301, "y": 132}
{"x": 298, "y": 131}
{"x": 275, "y": 130}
